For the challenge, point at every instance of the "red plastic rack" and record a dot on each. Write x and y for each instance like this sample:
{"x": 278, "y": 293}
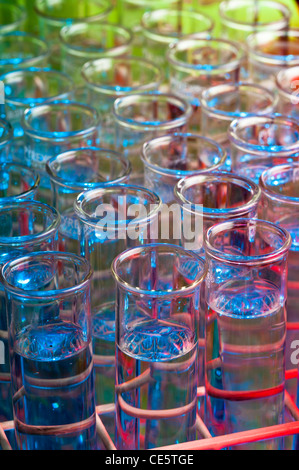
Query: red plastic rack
{"x": 206, "y": 441}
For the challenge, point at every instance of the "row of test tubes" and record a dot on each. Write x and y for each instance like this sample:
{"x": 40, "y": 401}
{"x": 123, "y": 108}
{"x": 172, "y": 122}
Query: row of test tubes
{"x": 148, "y": 222}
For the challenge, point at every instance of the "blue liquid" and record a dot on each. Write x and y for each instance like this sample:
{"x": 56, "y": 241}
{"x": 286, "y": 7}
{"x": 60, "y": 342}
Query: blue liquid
{"x": 53, "y": 385}
{"x": 163, "y": 356}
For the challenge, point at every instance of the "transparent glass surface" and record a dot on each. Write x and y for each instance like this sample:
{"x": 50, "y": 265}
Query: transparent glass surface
{"x": 25, "y": 227}
{"x": 50, "y": 129}
{"x": 18, "y": 49}
{"x": 240, "y": 18}
{"x": 222, "y": 104}
{"x": 196, "y": 64}
{"x": 50, "y": 351}
{"x": 170, "y": 158}
{"x": 158, "y": 291}
{"x": 160, "y": 28}
{"x": 246, "y": 327}
{"x": 52, "y": 15}
{"x": 112, "y": 219}
{"x": 280, "y": 205}
{"x": 17, "y": 182}
{"x": 6, "y": 141}
{"x": 29, "y": 87}
{"x": 141, "y": 117}
{"x": 259, "y": 142}
{"x": 269, "y": 52}
{"x": 12, "y": 17}
{"x": 287, "y": 85}
{"x": 212, "y": 198}
{"x": 76, "y": 171}
{"x": 108, "y": 79}
{"x": 84, "y": 42}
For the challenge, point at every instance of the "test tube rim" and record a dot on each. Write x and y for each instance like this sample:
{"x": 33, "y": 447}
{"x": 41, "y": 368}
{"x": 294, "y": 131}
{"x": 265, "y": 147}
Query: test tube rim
{"x": 78, "y": 186}
{"x": 189, "y": 289}
{"x": 50, "y": 294}
{"x": 177, "y": 173}
{"x": 259, "y": 150}
{"x": 249, "y": 26}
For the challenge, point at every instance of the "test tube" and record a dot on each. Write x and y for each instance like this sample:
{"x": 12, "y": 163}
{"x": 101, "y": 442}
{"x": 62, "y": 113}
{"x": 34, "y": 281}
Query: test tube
{"x": 52, "y": 15}
{"x": 132, "y": 11}
{"x": 240, "y": 18}
{"x": 50, "y": 129}
{"x": 112, "y": 219}
{"x": 79, "y": 170}
{"x": 222, "y": 104}
{"x": 212, "y": 198}
{"x": 108, "y": 79}
{"x": 259, "y": 142}
{"x": 84, "y": 42}
{"x": 12, "y": 17}
{"x": 269, "y": 52}
{"x": 25, "y": 227}
{"x": 196, "y": 64}
{"x": 170, "y": 158}
{"x": 29, "y": 87}
{"x": 19, "y": 49}
{"x": 246, "y": 328}
{"x": 158, "y": 296}
{"x": 160, "y": 28}
{"x": 206, "y": 200}
{"x": 280, "y": 205}
{"x": 144, "y": 116}
{"x": 50, "y": 332}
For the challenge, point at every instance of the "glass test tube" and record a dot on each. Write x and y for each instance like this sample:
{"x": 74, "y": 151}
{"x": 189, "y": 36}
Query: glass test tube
{"x": 259, "y": 142}
{"x": 130, "y": 13}
{"x": 76, "y": 171}
{"x": 112, "y": 219}
{"x": 53, "y": 15}
{"x": 246, "y": 328}
{"x": 206, "y": 200}
{"x": 48, "y": 307}
{"x": 25, "y": 227}
{"x": 12, "y": 17}
{"x": 142, "y": 117}
{"x": 160, "y": 28}
{"x": 222, "y": 104}
{"x": 269, "y": 52}
{"x": 19, "y": 49}
{"x": 196, "y": 64}
{"x": 29, "y": 87}
{"x": 240, "y": 18}
{"x": 158, "y": 296}
{"x": 280, "y": 205}
{"x": 50, "y": 129}
{"x": 84, "y": 42}
{"x": 111, "y": 78}
{"x": 170, "y": 158}
{"x": 214, "y": 197}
